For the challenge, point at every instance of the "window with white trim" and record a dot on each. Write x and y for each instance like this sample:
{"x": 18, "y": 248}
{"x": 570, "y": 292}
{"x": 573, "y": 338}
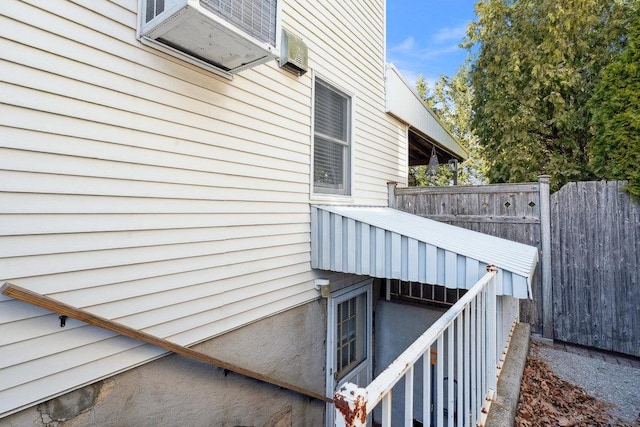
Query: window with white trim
{"x": 351, "y": 334}
{"x": 331, "y": 140}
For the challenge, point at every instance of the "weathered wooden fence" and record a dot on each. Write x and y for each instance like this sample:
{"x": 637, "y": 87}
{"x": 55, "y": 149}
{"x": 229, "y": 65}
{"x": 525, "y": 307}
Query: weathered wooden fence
{"x": 510, "y": 211}
{"x": 596, "y": 266}
{"x": 590, "y": 293}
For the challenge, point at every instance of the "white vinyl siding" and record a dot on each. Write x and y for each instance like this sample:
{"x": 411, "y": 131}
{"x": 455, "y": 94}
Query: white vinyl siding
{"x": 139, "y": 188}
{"x": 144, "y": 189}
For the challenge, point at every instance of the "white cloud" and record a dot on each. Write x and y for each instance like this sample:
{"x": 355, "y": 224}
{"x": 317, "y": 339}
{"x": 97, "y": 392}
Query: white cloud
{"x": 421, "y": 53}
{"x": 407, "y": 45}
{"x": 447, "y": 34}
{"x": 421, "y": 56}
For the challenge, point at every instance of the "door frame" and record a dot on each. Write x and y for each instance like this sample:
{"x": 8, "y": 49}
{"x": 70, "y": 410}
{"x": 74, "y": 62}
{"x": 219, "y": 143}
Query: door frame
{"x": 337, "y": 297}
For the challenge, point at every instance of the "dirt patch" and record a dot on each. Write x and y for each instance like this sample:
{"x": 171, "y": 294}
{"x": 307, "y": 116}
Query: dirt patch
{"x": 546, "y": 400}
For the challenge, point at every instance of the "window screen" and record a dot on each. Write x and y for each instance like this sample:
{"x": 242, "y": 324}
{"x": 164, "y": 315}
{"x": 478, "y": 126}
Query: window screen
{"x": 332, "y": 129}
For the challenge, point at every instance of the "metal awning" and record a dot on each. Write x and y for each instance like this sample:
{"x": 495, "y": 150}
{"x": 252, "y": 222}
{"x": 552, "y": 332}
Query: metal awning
{"x": 388, "y": 243}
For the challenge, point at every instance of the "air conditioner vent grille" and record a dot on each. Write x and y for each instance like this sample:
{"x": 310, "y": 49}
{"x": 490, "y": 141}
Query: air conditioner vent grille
{"x": 255, "y": 17}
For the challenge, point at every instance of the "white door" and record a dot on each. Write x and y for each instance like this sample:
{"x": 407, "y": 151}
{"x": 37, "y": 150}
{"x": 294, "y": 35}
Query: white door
{"x": 349, "y": 344}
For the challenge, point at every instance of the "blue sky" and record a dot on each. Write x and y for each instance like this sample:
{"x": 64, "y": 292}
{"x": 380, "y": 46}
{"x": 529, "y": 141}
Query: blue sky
{"x": 423, "y": 36}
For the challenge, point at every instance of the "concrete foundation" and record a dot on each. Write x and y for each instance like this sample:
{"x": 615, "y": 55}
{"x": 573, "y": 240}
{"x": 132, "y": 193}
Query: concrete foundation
{"x": 502, "y": 412}
{"x": 176, "y": 391}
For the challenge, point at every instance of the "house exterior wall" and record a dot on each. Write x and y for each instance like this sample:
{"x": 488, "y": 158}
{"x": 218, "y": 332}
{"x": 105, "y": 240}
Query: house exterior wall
{"x": 149, "y": 191}
{"x": 175, "y": 391}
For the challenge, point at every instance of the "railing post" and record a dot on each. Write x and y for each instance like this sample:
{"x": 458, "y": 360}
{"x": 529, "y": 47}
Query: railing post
{"x": 482, "y": 358}
{"x": 408, "y": 398}
{"x": 460, "y": 373}
{"x": 474, "y": 358}
{"x": 545, "y": 241}
{"x": 439, "y": 380}
{"x": 350, "y": 403}
{"x": 451, "y": 409}
{"x": 492, "y": 333}
{"x": 386, "y": 410}
{"x": 467, "y": 395}
{"x": 426, "y": 386}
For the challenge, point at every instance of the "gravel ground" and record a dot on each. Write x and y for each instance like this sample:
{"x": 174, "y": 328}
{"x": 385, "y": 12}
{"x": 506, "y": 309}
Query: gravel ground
{"x": 610, "y": 382}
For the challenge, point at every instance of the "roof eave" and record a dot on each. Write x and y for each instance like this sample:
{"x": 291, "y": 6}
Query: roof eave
{"x": 404, "y": 103}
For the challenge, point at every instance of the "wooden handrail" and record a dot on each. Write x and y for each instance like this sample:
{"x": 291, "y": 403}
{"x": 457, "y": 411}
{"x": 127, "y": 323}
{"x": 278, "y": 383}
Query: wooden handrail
{"x": 63, "y": 309}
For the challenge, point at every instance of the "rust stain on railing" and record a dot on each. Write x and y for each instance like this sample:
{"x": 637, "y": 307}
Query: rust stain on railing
{"x": 351, "y": 403}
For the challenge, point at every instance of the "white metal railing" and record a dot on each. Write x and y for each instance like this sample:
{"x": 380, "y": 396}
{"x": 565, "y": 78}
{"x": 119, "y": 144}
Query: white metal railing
{"x": 468, "y": 332}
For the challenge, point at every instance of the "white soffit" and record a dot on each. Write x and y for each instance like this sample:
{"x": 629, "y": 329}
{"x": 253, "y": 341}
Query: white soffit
{"x": 403, "y": 102}
{"x": 388, "y": 243}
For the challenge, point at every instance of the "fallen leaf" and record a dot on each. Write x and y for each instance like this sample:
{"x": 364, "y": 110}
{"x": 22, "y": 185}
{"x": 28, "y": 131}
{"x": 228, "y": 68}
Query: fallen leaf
{"x": 546, "y": 400}
{"x": 566, "y": 422}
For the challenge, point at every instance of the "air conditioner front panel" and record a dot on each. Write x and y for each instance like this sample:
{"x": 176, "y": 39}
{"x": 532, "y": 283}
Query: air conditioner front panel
{"x": 198, "y": 33}
{"x": 255, "y": 17}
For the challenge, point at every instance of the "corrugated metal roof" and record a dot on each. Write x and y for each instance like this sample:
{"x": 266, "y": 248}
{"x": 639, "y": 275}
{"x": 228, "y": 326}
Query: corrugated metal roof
{"x": 388, "y": 243}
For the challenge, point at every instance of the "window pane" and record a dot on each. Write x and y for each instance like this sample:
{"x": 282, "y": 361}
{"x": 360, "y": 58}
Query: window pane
{"x": 331, "y": 140}
{"x": 351, "y": 329}
{"x": 331, "y": 113}
{"x": 328, "y": 168}
{"x": 344, "y": 360}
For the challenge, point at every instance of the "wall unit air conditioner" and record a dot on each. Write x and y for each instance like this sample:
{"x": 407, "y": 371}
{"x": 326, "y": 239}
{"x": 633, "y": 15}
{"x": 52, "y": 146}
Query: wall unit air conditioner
{"x": 226, "y": 35}
{"x": 294, "y": 56}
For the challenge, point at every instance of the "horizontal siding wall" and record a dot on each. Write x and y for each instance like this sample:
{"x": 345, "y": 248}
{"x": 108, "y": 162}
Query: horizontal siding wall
{"x": 149, "y": 191}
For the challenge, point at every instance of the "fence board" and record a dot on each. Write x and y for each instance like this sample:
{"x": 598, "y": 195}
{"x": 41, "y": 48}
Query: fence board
{"x": 595, "y": 229}
{"x": 510, "y": 211}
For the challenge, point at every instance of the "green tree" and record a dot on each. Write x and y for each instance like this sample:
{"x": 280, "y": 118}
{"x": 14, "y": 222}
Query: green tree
{"x": 614, "y": 152}
{"x": 450, "y": 99}
{"x": 535, "y": 67}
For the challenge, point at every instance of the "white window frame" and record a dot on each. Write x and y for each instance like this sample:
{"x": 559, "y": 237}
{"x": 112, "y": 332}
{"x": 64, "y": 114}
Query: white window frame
{"x": 348, "y": 171}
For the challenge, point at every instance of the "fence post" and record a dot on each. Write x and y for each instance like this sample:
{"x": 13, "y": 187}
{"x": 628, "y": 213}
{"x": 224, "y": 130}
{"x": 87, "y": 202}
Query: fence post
{"x": 545, "y": 240}
{"x": 391, "y": 194}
